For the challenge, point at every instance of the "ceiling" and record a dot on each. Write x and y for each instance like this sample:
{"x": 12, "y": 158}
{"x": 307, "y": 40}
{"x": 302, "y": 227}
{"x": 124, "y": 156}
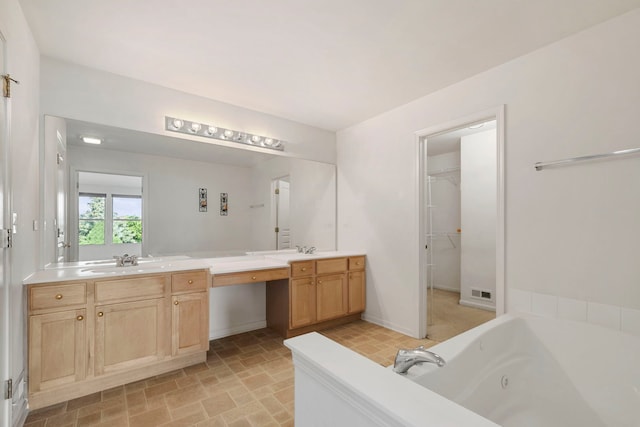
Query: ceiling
{"x": 326, "y": 63}
{"x": 140, "y": 142}
{"x": 449, "y": 142}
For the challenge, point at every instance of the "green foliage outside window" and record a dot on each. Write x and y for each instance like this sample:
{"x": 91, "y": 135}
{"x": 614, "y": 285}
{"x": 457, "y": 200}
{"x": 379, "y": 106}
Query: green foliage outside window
{"x": 91, "y": 223}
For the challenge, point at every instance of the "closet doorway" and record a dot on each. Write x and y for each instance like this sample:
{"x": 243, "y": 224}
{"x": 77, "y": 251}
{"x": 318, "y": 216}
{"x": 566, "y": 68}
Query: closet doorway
{"x": 461, "y": 224}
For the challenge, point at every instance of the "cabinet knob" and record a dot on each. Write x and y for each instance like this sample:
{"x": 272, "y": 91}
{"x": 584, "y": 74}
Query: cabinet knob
{"x": 190, "y": 282}
{"x": 176, "y": 302}
{"x": 304, "y": 269}
{"x": 253, "y": 277}
{"x": 357, "y": 262}
{"x": 59, "y": 296}
{"x": 319, "y": 281}
{"x": 100, "y": 314}
{"x": 80, "y": 317}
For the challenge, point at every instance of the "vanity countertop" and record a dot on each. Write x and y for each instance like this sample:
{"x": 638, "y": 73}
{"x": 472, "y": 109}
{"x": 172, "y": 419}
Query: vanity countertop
{"x": 91, "y": 270}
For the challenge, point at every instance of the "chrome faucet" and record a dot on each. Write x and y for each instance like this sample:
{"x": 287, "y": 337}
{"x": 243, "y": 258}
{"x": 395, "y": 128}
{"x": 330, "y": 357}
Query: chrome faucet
{"x": 126, "y": 259}
{"x": 305, "y": 250}
{"x": 406, "y": 358}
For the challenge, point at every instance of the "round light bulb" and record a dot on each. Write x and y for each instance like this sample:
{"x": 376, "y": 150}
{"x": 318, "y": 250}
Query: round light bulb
{"x": 177, "y": 123}
{"x": 276, "y": 144}
{"x": 255, "y": 138}
{"x": 212, "y": 130}
{"x": 195, "y": 127}
{"x": 268, "y": 141}
{"x": 228, "y": 133}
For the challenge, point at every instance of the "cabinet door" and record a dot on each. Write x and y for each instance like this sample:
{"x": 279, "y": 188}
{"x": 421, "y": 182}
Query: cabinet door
{"x": 331, "y": 294}
{"x": 357, "y": 288}
{"x": 129, "y": 335}
{"x": 57, "y": 349}
{"x": 303, "y": 302}
{"x": 190, "y": 323}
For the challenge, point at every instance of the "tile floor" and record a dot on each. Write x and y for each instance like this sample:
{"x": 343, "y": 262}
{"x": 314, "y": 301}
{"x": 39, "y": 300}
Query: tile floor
{"x": 450, "y": 318}
{"x": 247, "y": 380}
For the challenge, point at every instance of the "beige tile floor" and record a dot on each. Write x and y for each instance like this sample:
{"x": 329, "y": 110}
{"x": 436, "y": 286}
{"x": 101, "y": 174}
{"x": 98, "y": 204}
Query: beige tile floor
{"x": 247, "y": 380}
{"x": 450, "y": 318}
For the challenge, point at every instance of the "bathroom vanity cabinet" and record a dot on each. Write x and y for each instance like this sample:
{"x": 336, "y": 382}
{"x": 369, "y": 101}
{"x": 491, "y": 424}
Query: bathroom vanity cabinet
{"x": 87, "y": 336}
{"x": 319, "y": 293}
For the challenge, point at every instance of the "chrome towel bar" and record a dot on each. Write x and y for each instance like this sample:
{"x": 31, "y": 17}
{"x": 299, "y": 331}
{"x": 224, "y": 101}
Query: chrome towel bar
{"x": 541, "y": 165}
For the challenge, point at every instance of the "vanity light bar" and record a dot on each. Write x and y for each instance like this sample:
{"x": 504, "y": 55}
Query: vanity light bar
{"x": 209, "y": 131}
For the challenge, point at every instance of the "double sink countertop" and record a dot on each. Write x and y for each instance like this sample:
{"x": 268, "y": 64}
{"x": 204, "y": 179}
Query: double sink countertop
{"x": 263, "y": 260}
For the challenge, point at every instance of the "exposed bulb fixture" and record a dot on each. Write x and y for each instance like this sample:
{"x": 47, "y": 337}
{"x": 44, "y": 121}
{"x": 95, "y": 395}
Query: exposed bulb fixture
{"x": 177, "y": 123}
{"x": 209, "y": 131}
{"x": 91, "y": 140}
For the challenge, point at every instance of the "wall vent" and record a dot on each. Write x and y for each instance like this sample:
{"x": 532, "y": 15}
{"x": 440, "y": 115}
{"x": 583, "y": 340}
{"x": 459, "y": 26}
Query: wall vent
{"x": 481, "y": 294}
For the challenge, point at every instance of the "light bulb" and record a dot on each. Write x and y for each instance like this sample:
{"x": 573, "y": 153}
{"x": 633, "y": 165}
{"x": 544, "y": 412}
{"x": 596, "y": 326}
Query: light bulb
{"x": 212, "y": 130}
{"x": 195, "y": 127}
{"x": 255, "y": 138}
{"x": 268, "y": 141}
{"x": 228, "y": 133}
{"x": 276, "y": 143}
{"x": 177, "y": 123}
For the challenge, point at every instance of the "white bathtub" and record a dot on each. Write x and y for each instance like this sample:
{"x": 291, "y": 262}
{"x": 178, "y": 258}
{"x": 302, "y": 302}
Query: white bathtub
{"x": 534, "y": 371}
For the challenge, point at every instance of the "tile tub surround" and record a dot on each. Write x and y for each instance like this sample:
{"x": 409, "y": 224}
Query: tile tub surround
{"x": 246, "y": 380}
{"x": 609, "y": 316}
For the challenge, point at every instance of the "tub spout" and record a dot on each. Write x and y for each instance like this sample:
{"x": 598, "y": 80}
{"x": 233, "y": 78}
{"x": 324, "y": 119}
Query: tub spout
{"x": 406, "y": 358}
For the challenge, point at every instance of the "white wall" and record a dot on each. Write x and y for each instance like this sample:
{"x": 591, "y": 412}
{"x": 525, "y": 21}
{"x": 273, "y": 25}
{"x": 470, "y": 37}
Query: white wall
{"x": 312, "y": 203}
{"x": 81, "y": 93}
{"x": 570, "y": 232}
{"x": 445, "y": 198}
{"x": 23, "y": 63}
{"x": 173, "y": 223}
{"x": 478, "y": 195}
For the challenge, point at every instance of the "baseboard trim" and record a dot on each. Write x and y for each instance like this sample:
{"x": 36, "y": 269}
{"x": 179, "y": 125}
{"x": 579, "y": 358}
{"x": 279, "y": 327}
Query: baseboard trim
{"x": 475, "y": 304}
{"x": 238, "y": 329}
{"x": 386, "y": 324}
{"x": 446, "y": 288}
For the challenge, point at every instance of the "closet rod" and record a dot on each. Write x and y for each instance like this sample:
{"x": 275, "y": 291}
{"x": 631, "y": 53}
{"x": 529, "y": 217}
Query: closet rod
{"x": 541, "y": 165}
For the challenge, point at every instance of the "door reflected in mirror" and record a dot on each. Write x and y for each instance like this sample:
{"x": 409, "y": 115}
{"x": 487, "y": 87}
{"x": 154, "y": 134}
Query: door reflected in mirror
{"x": 169, "y": 173}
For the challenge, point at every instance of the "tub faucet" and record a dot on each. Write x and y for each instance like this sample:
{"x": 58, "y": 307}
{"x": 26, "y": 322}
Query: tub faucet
{"x": 406, "y": 358}
{"x": 125, "y": 260}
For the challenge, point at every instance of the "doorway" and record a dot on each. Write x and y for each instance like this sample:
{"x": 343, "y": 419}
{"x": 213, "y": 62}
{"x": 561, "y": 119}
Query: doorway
{"x": 282, "y": 228}
{"x": 5, "y": 414}
{"x": 461, "y": 211}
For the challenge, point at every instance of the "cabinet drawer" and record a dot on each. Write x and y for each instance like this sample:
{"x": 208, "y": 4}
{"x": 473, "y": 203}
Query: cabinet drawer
{"x": 303, "y": 268}
{"x": 133, "y": 288}
{"x": 58, "y": 296}
{"x": 190, "y": 281}
{"x": 356, "y": 263}
{"x": 250, "y": 277}
{"x": 334, "y": 265}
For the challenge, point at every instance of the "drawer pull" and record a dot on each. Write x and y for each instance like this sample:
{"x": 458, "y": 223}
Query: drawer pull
{"x": 100, "y": 314}
{"x": 80, "y": 317}
{"x": 319, "y": 282}
{"x": 357, "y": 262}
{"x": 253, "y": 277}
{"x": 59, "y": 296}
{"x": 190, "y": 282}
{"x": 303, "y": 269}
{"x": 176, "y": 302}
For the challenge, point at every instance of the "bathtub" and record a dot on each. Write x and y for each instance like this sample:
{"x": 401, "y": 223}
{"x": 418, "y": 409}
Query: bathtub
{"x": 533, "y": 371}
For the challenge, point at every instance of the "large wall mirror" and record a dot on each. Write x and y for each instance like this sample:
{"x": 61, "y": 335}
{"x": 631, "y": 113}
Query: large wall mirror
{"x": 141, "y": 193}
